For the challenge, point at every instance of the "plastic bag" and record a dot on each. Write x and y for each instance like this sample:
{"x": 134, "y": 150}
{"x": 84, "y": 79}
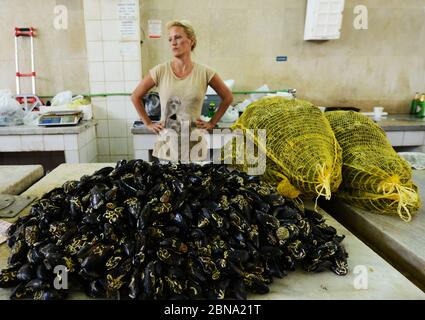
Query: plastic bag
{"x": 152, "y": 105}
{"x": 62, "y": 98}
{"x": 231, "y": 115}
{"x": 415, "y": 159}
{"x": 11, "y": 113}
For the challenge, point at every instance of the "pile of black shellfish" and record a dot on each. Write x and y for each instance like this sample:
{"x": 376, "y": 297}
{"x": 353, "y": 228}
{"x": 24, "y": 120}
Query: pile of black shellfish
{"x": 172, "y": 231}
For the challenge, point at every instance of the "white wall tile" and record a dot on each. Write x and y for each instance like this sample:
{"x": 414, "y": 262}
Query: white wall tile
{"x": 116, "y": 108}
{"x": 130, "y": 50}
{"x": 130, "y": 126}
{"x": 141, "y": 154}
{"x": 70, "y": 141}
{"x": 131, "y": 112}
{"x": 83, "y": 155}
{"x": 53, "y": 142}
{"x": 117, "y": 128}
{"x": 132, "y": 71}
{"x": 111, "y": 30}
{"x": 114, "y": 71}
{"x": 114, "y": 87}
{"x": 94, "y": 51}
{"x": 144, "y": 141}
{"x": 10, "y": 143}
{"x": 96, "y": 71}
{"x": 102, "y": 129}
{"x": 118, "y": 146}
{"x": 91, "y": 9}
{"x": 108, "y": 9}
{"x": 97, "y": 87}
{"x": 395, "y": 138}
{"x": 72, "y": 156}
{"x": 103, "y": 158}
{"x": 91, "y": 150}
{"x": 82, "y": 139}
{"x": 130, "y": 86}
{"x": 93, "y": 30}
{"x": 103, "y": 146}
{"x": 99, "y": 108}
{"x": 115, "y": 158}
{"x": 91, "y": 134}
{"x": 413, "y": 138}
{"x": 32, "y": 143}
{"x": 130, "y": 145}
{"x": 111, "y": 51}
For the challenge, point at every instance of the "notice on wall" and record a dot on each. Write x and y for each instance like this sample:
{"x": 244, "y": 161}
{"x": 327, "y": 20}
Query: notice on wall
{"x": 4, "y": 225}
{"x": 127, "y": 14}
{"x": 154, "y": 28}
{"x": 127, "y": 10}
{"x": 128, "y": 28}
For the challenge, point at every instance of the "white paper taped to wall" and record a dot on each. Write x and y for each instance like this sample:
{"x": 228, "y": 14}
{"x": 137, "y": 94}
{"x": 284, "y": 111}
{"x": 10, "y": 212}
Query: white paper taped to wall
{"x": 154, "y": 28}
{"x": 127, "y": 10}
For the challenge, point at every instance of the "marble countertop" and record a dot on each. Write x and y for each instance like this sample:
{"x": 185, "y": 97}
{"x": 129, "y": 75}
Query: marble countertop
{"x": 15, "y": 179}
{"x": 26, "y": 129}
{"x": 401, "y": 243}
{"x": 384, "y": 282}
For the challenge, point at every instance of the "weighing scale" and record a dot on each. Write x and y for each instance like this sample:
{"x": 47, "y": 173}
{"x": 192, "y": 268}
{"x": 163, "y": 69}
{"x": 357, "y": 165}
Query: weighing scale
{"x": 60, "y": 118}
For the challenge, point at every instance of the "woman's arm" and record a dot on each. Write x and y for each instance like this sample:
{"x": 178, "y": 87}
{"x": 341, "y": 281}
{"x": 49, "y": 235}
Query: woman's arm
{"x": 144, "y": 86}
{"x": 226, "y": 99}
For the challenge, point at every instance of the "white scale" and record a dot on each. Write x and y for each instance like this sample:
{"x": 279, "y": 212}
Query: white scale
{"x": 60, "y": 118}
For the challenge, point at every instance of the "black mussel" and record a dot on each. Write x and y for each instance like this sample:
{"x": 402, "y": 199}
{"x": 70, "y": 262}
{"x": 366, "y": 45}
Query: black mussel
{"x": 267, "y": 220}
{"x": 18, "y": 252}
{"x": 26, "y": 272}
{"x": 8, "y": 276}
{"x": 50, "y": 294}
{"x": 96, "y": 288}
{"x": 97, "y": 198}
{"x": 42, "y": 272}
{"x": 20, "y": 291}
{"x": 238, "y": 256}
{"x": 133, "y": 206}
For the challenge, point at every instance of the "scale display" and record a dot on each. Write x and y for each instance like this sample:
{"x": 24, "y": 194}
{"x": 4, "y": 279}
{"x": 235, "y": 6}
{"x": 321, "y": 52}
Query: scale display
{"x": 59, "y": 119}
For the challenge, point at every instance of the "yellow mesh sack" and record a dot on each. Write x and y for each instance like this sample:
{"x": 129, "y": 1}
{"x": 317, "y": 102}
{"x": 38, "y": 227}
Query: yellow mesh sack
{"x": 303, "y": 156}
{"x": 375, "y": 177}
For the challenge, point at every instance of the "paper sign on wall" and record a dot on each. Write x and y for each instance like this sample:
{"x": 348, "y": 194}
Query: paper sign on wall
{"x": 127, "y": 10}
{"x": 154, "y": 28}
{"x": 128, "y": 28}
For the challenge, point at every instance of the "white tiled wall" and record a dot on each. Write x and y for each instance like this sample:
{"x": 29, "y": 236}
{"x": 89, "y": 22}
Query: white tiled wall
{"x": 114, "y": 67}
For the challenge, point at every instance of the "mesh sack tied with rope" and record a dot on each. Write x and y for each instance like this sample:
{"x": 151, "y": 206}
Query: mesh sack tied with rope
{"x": 303, "y": 156}
{"x": 375, "y": 177}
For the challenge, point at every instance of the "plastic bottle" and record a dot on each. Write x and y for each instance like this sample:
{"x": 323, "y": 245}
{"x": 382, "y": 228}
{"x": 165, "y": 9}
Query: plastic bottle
{"x": 414, "y": 103}
{"x": 211, "y": 110}
{"x": 420, "y": 107}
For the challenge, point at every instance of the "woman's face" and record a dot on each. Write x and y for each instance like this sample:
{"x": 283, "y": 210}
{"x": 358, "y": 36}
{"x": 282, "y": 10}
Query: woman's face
{"x": 180, "y": 44}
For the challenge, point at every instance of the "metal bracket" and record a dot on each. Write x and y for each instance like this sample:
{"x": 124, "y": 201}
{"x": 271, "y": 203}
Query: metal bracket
{"x": 11, "y": 205}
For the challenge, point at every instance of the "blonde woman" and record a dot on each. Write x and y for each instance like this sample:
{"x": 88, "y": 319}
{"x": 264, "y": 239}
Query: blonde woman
{"x": 182, "y": 79}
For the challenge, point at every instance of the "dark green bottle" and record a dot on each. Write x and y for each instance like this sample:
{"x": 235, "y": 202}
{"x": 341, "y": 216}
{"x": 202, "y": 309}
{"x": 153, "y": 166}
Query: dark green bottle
{"x": 414, "y": 104}
{"x": 211, "y": 110}
{"x": 420, "y": 107}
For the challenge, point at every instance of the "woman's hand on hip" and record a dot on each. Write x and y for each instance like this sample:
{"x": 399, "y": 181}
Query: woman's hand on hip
{"x": 155, "y": 127}
{"x": 204, "y": 124}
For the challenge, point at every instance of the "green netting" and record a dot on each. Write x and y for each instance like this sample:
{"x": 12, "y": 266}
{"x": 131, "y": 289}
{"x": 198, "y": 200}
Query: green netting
{"x": 375, "y": 177}
{"x": 303, "y": 156}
